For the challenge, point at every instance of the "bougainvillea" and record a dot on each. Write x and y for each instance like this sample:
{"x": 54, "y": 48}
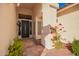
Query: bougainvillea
{"x": 56, "y": 36}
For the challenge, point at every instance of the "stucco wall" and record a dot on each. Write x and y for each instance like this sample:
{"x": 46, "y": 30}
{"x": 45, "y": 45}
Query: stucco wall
{"x": 49, "y": 15}
{"x": 71, "y": 23}
{"x": 7, "y": 26}
{"x": 49, "y": 18}
{"x": 36, "y": 14}
{"x": 24, "y": 11}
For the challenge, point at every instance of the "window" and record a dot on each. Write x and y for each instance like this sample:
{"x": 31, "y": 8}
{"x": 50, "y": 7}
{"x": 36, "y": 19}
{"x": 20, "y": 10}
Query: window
{"x": 21, "y": 16}
{"x": 39, "y": 27}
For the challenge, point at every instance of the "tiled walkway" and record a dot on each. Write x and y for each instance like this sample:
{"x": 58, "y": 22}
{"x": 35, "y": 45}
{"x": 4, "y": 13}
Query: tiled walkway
{"x": 56, "y": 52}
{"x": 32, "y": 49}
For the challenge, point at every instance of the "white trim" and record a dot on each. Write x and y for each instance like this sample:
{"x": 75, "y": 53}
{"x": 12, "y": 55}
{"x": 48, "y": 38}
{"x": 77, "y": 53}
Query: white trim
{"x": 26, "y": 19}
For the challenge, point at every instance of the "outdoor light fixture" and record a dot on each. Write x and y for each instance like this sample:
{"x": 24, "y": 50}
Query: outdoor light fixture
{"x": 18, "y": 4}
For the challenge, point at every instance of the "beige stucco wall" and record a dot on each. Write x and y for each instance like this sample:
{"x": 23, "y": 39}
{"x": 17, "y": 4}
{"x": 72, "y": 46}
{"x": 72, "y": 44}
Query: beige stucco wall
{"x": 37, "y": 10}
{"x": 49, "y": 18}
{"x": 71, "y": 23}
{"x": 49, "y": 15}
{"x": 25, "y": 11}
{"x": 7, "y": 26}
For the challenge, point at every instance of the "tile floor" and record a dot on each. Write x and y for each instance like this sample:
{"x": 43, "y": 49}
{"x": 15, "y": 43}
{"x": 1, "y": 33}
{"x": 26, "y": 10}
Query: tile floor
{"x": 33, "y": 49}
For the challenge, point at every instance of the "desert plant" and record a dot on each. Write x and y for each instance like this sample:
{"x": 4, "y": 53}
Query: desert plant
{"x": 75, "y": 46}
{"x": 16, "y": 48}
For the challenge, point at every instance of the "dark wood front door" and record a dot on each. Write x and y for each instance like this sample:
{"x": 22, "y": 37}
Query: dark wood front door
{"x": 25, "y": 28}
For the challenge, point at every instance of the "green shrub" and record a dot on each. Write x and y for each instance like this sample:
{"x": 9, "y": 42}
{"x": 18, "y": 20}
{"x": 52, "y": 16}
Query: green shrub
{"x": 16, "y": 48}
{"x": 75, "y": 47}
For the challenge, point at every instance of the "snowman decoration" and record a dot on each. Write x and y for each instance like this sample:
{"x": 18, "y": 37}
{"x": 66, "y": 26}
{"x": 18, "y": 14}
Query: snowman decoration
{"x": 48, "y": 40}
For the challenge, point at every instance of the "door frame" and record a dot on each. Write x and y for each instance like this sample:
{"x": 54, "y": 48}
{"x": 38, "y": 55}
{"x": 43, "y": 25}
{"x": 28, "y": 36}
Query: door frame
{"x": 38, "y": 36}
{"x": 30, "y": 35}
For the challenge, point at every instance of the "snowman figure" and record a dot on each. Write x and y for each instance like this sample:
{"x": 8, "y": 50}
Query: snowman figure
{"x": 48, "y": 40}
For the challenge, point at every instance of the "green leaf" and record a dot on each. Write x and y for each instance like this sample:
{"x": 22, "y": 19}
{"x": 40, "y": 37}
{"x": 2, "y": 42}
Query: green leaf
{"x": 75, "y": 46}
{"x": 16, "y": 48}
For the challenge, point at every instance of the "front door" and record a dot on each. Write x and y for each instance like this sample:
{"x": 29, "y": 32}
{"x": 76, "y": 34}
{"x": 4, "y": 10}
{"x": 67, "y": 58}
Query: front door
{"x": 25, "y": 28}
